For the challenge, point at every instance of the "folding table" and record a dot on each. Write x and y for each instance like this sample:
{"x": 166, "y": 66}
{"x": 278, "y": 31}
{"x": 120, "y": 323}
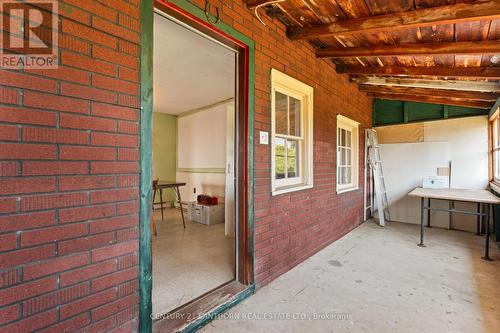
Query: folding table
{"x": 481, "y": 197}
{"x": 175, "y": 186}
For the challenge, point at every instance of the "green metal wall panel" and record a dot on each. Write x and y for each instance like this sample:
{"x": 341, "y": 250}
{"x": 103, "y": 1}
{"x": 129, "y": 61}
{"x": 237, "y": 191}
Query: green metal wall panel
{"x": 389, "y": 112}
{"x": 393, "y": 112}
{"x": 421, "y": 111}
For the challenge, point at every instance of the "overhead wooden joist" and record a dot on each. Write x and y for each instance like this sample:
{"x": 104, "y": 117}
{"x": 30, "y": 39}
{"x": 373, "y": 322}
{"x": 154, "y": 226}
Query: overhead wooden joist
{"x": 431, "y": 84}
{"x": 458, "y": 48}
{"x": 466, "y": 95}
{"x": 251, "y": 4}
{"x": 450, "y": 14}
{"x": 470, "y": 72}
{"x": 433, "y": 100}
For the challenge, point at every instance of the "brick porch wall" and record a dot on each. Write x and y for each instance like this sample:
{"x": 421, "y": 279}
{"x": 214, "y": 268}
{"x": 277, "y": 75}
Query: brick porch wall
{"x": 69, "y": 178}
{"x": 69, "y": 170}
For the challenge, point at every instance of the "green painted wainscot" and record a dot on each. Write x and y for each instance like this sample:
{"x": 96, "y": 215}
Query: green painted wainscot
{"x": 389, "y": 112}
{"x": 165, "y": 150}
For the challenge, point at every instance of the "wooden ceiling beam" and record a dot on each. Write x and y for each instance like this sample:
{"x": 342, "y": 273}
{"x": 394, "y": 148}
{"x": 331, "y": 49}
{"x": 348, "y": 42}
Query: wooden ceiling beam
{"x": 434, "y": 100}
{"x": 450, "y": 14}
{"x": 468, "y": 48}
{"x": 251, "y": 4}
{"x": 483, "y": 86}
{"x": 470, "y": 72}
{"x": 466, "y": 95}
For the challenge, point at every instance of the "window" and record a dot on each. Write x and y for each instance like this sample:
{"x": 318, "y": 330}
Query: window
{"x": 291, "y": 140}
{"x": 347, "y": 154}
{"x": 495, "y": 147}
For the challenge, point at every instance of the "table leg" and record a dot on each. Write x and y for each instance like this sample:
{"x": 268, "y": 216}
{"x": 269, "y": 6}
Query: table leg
{"x": 487, "y": 234}
{"x": 451, "y": 205}
{"x": 180, "y": 203}
{"x": 493, "y": 223}
{"x": 161, "y": 203}
{"x": 421, "y": 244}
{"x": 478, "y": 230}
{"x": 429, "y": 213}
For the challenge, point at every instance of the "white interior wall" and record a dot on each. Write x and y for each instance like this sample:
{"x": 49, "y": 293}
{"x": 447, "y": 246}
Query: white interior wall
{"x": 463, "y": 142}
{"x": 202, "y": 148}
{"x": 405, "y": 165}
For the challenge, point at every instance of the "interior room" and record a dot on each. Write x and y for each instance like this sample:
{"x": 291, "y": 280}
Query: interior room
{"x": 193, "y": 241}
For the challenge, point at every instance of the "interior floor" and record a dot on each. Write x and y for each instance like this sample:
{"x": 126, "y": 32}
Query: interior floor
{"x": 383, "y": 282}
{"x": 189, "y": 262}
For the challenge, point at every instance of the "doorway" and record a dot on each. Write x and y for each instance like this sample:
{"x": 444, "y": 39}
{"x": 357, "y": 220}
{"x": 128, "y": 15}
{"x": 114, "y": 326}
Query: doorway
{"x": 193, "y": 145}
{"x": 199, "y": 146}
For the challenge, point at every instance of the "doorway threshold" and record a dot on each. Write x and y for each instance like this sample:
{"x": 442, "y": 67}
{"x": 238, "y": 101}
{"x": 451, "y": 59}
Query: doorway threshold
{"x": 200, "y": 311}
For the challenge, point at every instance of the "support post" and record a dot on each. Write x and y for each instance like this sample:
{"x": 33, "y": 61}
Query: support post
{"x": 451, "y": 206}
{"x": 487, "y": 234}
{"x": 478, "y": 230}
{"x": 429, "y": 213}
{"x": 421, "y": 244}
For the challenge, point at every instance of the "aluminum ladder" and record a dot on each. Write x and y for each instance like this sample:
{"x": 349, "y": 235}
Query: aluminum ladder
{"x": 377, "y": 173}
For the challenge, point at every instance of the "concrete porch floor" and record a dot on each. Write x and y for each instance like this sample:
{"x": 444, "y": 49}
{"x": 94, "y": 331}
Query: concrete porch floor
{"x": 384, "y": 283}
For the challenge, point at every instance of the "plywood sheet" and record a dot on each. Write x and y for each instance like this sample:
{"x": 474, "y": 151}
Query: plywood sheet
{"x": 401, "y": 133}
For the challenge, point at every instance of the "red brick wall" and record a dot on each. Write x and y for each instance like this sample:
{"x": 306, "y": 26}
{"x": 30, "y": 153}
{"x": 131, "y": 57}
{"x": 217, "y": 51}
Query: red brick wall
{"x": 69, "y": 170}
{"x": 69, "y": 178}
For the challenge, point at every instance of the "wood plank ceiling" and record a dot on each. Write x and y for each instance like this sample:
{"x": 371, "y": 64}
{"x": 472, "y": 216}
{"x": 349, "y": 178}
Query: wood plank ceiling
{"x": 434, "y": 51}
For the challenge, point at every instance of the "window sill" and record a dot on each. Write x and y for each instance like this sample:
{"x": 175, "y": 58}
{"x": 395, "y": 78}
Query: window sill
{"x": 495, "y": 186}
{"x": 349, "y": 189}
{"x": 288, "y": 189}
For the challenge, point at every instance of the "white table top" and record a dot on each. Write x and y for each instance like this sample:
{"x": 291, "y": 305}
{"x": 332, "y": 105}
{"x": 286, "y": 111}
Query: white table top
{"x": 482, "y": 196}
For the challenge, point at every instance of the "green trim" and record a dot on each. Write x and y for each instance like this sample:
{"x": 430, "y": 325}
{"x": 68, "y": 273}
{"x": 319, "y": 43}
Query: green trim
{"x": 406, "y": 113}
{"x": 146, "y": 43}
{"x": 199, "y": 13}
{"x": 146, "y": 163}
{"x": 389, "y": 112}
{"x": 202, "y": 321}
{"x": 201, "y": 170}
{"x": 250, "y": 158}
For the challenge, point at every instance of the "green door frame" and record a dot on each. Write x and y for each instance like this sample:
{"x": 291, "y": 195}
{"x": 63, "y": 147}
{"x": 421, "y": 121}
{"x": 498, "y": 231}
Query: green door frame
{"x": 146, "y": 54}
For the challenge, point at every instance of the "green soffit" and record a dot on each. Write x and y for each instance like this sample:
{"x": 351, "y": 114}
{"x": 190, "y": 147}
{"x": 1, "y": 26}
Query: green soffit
{"x": 389, "y": 112}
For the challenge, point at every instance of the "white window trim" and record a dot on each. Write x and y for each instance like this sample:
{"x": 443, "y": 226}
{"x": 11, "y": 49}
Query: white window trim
{"x": 353, "y": 126}
{"x": 288, "y": 85}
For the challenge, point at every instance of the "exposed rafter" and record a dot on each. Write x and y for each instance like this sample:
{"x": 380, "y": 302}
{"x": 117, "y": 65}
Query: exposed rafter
{"x": 458, "y": 48}
{"x": 470, "y": 72}
{"x": 462, "y": 12}
{"x": 432, "y": 84}
{"x": 251, "y": 4}
{"x": 466, "y": 95}
{"x": 434, "y": 100}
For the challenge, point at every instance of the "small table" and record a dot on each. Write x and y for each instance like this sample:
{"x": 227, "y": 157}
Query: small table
{"x": 481, "y": 197}
{"x": 175, "y": 186}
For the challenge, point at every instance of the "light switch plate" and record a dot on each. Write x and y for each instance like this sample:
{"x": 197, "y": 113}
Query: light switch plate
{"x": 264, "y": 138}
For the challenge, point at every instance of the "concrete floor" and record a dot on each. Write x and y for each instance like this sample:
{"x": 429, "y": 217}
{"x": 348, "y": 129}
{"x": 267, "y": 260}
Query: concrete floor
{"x": 382, "y": 282}
{"x": 188, "y": 262}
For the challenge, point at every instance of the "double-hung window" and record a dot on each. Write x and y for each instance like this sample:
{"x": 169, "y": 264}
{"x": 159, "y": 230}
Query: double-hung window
{"x": 291, "y": 104}
{"x": 495, "y": 145}
{"x": 347, "y": 154}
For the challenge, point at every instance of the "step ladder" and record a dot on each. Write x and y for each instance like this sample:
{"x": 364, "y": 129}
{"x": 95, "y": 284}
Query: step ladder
{"x": 378, "y": 188}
